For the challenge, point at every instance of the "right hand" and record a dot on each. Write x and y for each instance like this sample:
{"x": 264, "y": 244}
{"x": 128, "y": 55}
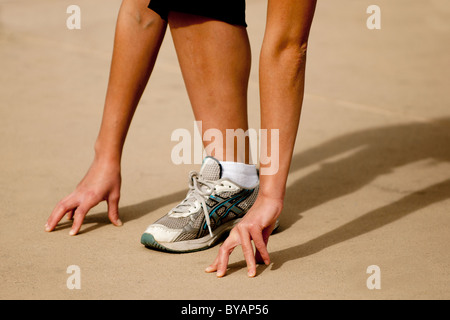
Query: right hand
{"x": 101, "y": 183}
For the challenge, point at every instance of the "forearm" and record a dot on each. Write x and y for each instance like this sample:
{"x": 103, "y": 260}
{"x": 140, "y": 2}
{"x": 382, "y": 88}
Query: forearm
{"x": 282, "y": 81}
{"x": 282, "y": 75}
{"x": 139, "y": 33}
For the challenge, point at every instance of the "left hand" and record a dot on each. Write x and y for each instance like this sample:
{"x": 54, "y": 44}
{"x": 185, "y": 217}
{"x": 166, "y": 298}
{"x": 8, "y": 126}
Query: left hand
{"x": 257, "y": 225}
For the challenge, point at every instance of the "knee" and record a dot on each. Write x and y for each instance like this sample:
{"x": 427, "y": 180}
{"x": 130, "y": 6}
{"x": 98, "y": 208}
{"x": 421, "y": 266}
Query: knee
{"x": 139, "y": 12}
{"x": 286, "y": 52}
{"x": 288, "y": 47}
{"x": 146, "y": 18}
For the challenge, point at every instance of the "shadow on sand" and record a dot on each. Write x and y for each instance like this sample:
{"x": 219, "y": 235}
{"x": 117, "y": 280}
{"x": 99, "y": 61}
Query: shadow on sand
{"x": 375, "y": 152}
{"x": 378, "y": 152}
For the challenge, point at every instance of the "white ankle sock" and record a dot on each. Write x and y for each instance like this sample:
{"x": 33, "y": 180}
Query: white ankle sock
{"x": 243, "y": 174}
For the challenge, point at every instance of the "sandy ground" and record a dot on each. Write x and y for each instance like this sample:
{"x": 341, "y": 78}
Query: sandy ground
{"x": 370, "y": 181}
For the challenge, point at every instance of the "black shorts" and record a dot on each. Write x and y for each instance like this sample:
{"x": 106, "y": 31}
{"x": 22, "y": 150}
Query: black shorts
{"x": 229, "y": 11}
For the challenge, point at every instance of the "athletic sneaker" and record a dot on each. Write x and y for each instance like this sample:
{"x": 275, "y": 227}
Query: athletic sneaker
{"x": 212, "y": 207}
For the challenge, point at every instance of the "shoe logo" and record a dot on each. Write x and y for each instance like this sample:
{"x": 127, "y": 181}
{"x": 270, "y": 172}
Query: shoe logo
{"x": 224, "y": 206}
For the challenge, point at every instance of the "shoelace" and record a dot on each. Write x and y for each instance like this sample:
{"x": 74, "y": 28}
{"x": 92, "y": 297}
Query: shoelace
{"x": 200, "y": 190}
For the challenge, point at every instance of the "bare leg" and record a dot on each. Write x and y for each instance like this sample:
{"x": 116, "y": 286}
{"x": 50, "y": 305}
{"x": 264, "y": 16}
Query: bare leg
{"x": 215, "y": 61}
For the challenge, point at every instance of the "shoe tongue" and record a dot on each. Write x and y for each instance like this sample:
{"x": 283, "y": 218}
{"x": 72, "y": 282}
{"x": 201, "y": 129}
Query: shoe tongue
{"x": 211, "y": 169}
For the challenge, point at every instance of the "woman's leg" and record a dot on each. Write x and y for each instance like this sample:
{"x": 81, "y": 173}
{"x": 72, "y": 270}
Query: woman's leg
{"x": 215, "y": 61}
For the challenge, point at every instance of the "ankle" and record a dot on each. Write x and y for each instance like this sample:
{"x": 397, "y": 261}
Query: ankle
{"x": 242, "y": 174}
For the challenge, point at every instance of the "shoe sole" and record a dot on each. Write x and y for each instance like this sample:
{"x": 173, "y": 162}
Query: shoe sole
{"x": 187, "y": 246}
{"x": 195, "y": 245}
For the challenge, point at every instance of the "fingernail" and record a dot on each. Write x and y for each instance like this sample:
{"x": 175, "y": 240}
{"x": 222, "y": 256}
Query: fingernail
{"x": 47, "y": 228}
{"x": 119, "y": 223}
{"x": 251, "y": 274}
{"x": 209, "y": 269}
{"x": 72, "y": 232}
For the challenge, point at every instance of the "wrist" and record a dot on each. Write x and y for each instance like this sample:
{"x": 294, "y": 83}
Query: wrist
{"x": 273, "y": 190}
{"x": 107, "y": 155}
{"x": 267, "y": 196}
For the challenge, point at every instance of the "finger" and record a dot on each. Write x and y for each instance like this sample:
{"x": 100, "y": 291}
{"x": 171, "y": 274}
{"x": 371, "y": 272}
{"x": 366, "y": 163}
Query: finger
{"x": 261, "y": 247}
{"x": 213, "y": 267}
{"x": 60, "y": 210}
{"x": 225, "y": 251}
{"x": 79, "y": 215}
{"x": 247, "y": 249}
{"x": 224, "y": 256}
{"x": 265, "y": 234}
{"x": 113, "y": 211}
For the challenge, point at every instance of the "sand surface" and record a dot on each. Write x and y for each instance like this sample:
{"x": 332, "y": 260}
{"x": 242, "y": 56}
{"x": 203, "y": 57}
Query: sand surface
{"x": 369, "y": 185}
